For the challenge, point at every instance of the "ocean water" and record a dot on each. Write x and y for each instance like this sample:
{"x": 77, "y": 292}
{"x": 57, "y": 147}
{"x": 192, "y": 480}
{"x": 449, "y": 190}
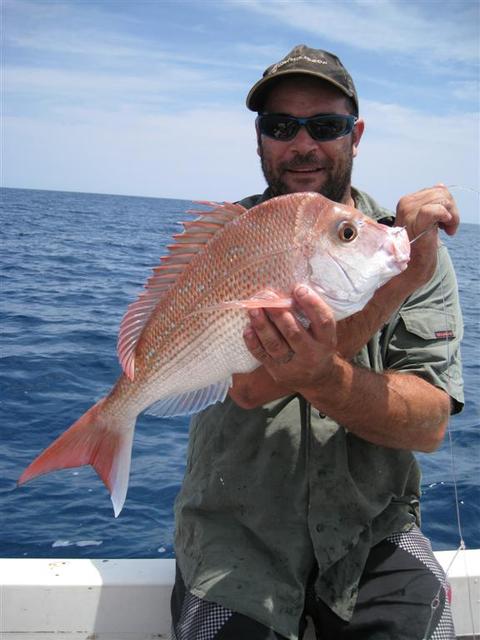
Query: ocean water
{"x": 70, "y": 265}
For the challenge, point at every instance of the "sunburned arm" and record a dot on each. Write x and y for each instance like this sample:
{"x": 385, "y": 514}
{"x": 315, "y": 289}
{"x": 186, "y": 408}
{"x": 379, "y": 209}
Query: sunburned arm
{"x": 250, "y": 390}
{"x": 397, "y": 410}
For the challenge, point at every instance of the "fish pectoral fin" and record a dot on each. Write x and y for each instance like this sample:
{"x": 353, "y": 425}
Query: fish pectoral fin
{"x": 191, "y": 401}
{"x": 262, "y": 300}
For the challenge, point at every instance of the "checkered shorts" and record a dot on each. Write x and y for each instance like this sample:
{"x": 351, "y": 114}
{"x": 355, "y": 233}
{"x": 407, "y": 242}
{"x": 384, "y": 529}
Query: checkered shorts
{"x": 417, "y": 545}
{"x": 402, "y": 566}
{"x": 200, "y": 619}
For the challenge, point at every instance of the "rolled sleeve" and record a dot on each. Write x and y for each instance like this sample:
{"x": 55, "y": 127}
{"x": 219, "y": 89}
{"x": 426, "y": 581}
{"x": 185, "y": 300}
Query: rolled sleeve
{"x": 425, "y": 334}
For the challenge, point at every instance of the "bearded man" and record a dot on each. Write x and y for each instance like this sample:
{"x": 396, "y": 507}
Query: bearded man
{"x": 301, "y": 495}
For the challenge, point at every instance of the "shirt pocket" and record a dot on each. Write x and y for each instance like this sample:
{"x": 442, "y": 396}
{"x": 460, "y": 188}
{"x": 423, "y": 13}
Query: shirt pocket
{"x": 429, "y": 325}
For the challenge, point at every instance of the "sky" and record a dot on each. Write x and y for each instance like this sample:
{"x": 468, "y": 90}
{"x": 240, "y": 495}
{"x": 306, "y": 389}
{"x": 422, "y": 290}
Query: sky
{"x": 147, "y": 97}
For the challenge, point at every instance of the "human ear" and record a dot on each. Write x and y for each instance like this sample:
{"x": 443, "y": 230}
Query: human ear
{"x": 259, "y": 140}
{"x": 357, "y": 135}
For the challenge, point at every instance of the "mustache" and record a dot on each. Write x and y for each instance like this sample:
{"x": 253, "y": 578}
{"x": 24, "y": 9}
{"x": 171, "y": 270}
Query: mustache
{"x": 309, "y": 160}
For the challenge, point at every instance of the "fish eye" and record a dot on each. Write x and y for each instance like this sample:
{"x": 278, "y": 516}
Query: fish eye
{"x": 347, "y": 231}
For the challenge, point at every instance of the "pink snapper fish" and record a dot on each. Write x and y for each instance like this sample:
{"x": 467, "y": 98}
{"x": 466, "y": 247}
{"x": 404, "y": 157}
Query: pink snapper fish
{"x": 182, "y": 340}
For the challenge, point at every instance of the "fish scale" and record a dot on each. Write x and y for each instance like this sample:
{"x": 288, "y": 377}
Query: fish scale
{"x": 182, "y": 340}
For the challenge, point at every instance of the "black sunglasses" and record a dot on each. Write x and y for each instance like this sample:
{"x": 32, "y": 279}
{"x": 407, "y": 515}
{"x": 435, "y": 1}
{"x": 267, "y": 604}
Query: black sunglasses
{"x": 322, "y": 127}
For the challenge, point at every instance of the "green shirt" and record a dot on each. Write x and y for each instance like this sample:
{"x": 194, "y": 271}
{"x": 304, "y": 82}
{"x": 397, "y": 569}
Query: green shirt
{"x": 271, "y": 492}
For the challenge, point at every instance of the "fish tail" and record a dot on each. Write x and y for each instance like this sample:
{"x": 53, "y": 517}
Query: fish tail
{"x": 99, "y": 438}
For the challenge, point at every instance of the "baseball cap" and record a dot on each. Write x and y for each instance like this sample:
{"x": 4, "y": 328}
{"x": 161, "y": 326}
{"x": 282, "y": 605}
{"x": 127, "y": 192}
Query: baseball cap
{"x": 305, "y": 61}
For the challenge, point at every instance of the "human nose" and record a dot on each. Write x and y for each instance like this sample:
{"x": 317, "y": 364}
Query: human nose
{"x": 303, "y": 141}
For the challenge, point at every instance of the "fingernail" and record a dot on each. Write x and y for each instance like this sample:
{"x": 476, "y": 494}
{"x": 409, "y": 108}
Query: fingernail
{"x": 254, "y": 313}
{"x": 248, "y": 332}
{"x": 302, "y": 291}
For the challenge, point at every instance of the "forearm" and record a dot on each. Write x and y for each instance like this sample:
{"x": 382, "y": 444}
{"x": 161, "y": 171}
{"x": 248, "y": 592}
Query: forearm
{"x": 250, "y": 390}
{"x": 397, "y": 410}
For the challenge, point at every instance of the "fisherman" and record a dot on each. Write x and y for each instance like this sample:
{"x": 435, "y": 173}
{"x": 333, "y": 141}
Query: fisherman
{"x": 301, "y": 494}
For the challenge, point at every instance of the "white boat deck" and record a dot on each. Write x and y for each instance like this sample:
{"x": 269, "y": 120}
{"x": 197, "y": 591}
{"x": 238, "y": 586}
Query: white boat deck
{"x": 43, "y": 599}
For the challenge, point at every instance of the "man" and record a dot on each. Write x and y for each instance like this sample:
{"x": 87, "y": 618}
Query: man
{"x": 301, "y": 491}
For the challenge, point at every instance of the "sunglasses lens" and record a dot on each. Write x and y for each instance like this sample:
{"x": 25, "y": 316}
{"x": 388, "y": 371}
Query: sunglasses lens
{"x": 278, "y": 127}
{"x": 322, "y": 127}
{"x": 329, "y": 127}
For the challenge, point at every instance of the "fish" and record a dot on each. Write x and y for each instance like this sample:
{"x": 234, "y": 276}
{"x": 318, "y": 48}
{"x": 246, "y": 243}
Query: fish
{"x": 181, "y": 341}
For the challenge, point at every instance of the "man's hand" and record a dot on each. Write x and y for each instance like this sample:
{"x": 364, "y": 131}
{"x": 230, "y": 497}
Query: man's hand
{"x": 293, "y": 356}
{"x": 285, "y": 349}
{"x": 423, "y": 212}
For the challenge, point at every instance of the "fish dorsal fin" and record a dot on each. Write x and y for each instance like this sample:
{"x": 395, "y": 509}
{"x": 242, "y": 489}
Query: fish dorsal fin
{"x": 197, "y": 233}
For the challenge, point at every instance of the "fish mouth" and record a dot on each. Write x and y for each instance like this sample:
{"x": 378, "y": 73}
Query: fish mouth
{"x": 398, "y": 247}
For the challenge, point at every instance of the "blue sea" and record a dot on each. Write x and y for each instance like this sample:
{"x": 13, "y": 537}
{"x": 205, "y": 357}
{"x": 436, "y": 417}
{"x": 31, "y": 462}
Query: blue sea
{"x": 70, "y": 265}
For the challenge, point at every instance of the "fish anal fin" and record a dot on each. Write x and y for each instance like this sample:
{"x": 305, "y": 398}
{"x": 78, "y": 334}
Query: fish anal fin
{"x": 191, "y": 401}
{"x": 198, "y": 233}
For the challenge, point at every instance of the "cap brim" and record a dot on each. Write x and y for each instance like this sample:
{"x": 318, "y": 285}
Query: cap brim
{"x": 256, "y": 94}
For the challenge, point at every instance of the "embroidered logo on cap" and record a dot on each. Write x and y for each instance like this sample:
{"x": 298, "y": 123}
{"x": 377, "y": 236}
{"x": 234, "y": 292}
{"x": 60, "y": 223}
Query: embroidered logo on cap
{"x": 277, "y": 66}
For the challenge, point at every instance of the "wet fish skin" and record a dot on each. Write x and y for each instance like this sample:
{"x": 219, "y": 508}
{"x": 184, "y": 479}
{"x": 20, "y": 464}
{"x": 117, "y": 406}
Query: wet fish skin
{"x": 181, "y": 341}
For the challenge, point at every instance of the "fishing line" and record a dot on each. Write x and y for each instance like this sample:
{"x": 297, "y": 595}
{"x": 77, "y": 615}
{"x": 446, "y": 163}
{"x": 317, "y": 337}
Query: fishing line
{"x": 462, "y": 188}
{"x": 423, "y": 233}
{"x": 434, "y": 604}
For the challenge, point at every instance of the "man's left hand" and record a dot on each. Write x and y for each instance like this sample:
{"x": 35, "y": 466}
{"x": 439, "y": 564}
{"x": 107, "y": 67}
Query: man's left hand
{"x": 421, "y": 213}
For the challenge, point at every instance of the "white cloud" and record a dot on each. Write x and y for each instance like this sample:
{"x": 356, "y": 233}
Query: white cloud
{"x": 59, "y": 40}
{"x": 93, "y": 34}
{"x": 383, "y": 26}
{"x": 112, "y": 50}
{"x": 211, "y": 153}
{"x": 393, "y": 120}
{"x": 467, "y": 90}
{"x": 404, "y": 150}
{"x": 86, "y": 114}
{"x": 148, "y": 90}
{"x": 199, "y": 154}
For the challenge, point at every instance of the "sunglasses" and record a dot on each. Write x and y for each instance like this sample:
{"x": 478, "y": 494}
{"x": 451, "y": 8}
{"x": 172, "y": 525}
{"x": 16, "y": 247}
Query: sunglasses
{"x": 322, "y": 127}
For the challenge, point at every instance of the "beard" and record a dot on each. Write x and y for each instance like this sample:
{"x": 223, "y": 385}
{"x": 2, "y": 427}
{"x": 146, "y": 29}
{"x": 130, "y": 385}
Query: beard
{"x": 338, "y": 176}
